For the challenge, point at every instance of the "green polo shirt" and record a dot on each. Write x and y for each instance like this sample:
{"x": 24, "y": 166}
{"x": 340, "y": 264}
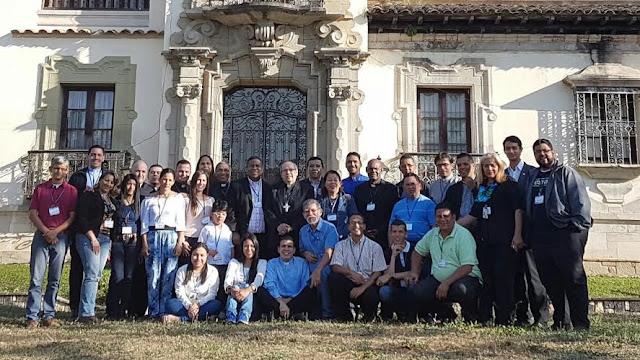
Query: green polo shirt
{"x": 459, "y": 248}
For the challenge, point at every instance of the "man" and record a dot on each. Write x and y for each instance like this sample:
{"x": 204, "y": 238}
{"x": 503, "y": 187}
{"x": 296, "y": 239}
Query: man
{"x": 408, "y": 166}
{"x": 353, "y": 164}
{"x": 374, "y": 200}
{"x": 153, "y": 182}
{"x": 444, "y": 167}
{"x": 558, "y": 220}
{"x": 455, "y": 276}
{"x": 317, "y": 240}
{"x": 139, "y": 169}
{"x": 290, "y": 195}
{"x": 393, "y": 287}
{"x": 94, "y": 170}
{"x": 356, "y": 265}
{"x": 532, "y": 304}
{"x": 416, "y": 210}
{"x": 315, "y": 168}
{"x": 52, "y": 211}
{"x": 183, "y": 174}
{"x": 220, "y": 189}
{"x": 461, "y": 195}
{"x": 286, "y": 292}
{"x": 254, "y": 206}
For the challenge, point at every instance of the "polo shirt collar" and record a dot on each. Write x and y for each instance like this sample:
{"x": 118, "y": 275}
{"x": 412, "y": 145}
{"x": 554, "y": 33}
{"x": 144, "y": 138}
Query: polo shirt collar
{"x": 407, "y": 247}
{"x": 452, "y": 234}
{"x": 319, "y": 227}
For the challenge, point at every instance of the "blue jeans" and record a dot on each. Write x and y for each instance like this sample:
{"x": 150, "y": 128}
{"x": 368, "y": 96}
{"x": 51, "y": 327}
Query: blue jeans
{"x": 324, "y": 296}
{"x": 161, "y": 269}
{"x": 93, "y": 264}
{"x": 175, "y": 307}
{"x": 392, "y": 299}
{"x": 41, "y": 254}
{"x": 246, "y": 306}
{"x": 124, "y": 259}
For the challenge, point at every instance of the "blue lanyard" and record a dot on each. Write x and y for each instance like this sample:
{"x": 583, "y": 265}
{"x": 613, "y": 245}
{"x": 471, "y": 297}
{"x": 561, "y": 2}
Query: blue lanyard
{"x": 410, "y": 213}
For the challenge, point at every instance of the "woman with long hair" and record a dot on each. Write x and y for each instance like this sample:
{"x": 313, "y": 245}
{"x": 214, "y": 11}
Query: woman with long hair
{"x": 78, "y": 180}
{"x": 163, "y": 225}
{"x": 336, "y": 205}
{"x": 198, "y": 212}
{"x": 244, "y": 276}
{"x": 95, "y": 224}
{"x": 205, "y": 163}
{"x": 196, "y": 286}
{"x": 124, "y": 252}
{"x": 497, "y": 211}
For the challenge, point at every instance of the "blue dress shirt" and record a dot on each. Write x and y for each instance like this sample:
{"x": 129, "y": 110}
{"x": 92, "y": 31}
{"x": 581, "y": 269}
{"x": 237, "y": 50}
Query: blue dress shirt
{"x": 324, "y": 237}
{"x": 286, "y": 280}
{"x": 349, "y": 184}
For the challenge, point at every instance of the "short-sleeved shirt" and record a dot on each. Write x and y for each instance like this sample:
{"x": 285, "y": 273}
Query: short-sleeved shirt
{"x": 324, "y": 237}
{"x": 495, "y": 210}
{"x": 47, "y": 196}
{"x": 219, "y": 239}
{"x": 364, "y": 257}
{"x": 449, "y": 254}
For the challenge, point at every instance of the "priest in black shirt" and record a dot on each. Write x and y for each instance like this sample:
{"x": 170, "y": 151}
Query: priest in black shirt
{"x": 289, "y": 195}
{"x": 220, "y": 189}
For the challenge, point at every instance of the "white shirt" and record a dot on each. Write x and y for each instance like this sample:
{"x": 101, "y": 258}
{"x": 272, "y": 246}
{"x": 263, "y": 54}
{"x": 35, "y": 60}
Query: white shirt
{"x": 219, "y": 239}
{"x": 515, "y": 174}
{"x": 167, "y": 211}
{"x": 256, "y": 221}
{"x": 238, "y": 275}
{"x": 365, "y": 257}
{"x": 194, "y": 289}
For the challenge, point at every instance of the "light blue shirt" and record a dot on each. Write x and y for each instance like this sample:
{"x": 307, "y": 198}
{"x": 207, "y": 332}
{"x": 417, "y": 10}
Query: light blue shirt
{"x": 317, "y": 241}
{"x": 349, "y": 184}
{"x": 419, "y": 214}
{"x": 286, "y": 280}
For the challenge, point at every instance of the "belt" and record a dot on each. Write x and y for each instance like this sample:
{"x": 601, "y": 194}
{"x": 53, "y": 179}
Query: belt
{"x": 105, "y": 231}
{"x": 153, "y": 228}
{"x": 126, "y": 237}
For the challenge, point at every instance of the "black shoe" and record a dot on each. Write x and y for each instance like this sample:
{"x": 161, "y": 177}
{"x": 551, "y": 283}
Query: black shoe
{"x": 300, "y": 317}
{"x": 558, "y": 326}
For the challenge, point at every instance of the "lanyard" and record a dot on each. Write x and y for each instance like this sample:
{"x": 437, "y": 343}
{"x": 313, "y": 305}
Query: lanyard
{"x": 216, "y": 238}
{"x": 354, "y": 254}
{"x": 54, "y": 202}
{"x": 373, "y": 194}
{"x": 410, "y": 213}
{"x": 333, "y": 204}
{"x": 256, "y": 193}
{"x": 163, "y": 206}
{"x": 287, "y": 194}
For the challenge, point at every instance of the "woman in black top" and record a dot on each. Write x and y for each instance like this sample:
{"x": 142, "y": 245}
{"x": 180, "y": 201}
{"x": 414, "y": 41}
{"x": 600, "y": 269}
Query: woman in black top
{"x": 497, "y": 210}
{"x": 124, "y": 252}
{"x": 94, "y": 224}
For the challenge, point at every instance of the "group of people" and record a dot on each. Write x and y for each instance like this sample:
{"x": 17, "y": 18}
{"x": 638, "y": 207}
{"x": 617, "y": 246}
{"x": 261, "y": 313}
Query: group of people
{"x": 500, "y": 240}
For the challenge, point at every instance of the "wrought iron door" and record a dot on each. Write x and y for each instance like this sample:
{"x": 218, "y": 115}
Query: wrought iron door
{"x": 267, "y": 122}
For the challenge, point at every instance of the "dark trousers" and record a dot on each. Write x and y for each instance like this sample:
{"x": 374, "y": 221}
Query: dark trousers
{"x": 559, "y": 262}
{"x": 222, "y": 273}
{"x": 303, "y": 302}
{"x": 185, "y": 259}
{"x": 340, "y": 286}
{"x": 532, "y": 303}
{"x": 498, "y": 268}
{"x": 124, "y": 259}
{"x": 139, "y": 296}
{"x": 268, "y": 247}
{"x": 76, "y": 274}
{"x": 464, "y": 291}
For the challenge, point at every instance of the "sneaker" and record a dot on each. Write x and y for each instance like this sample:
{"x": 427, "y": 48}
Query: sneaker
{"x": 243, "y": 318}
{"x": 31, "y": 324}
{"x": 51, "y": 322}
{"x": 231, "y": 318}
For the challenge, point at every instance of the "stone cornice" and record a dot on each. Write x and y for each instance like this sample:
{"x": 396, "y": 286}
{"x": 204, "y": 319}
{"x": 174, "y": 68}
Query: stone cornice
{"x": 512, "y": 9}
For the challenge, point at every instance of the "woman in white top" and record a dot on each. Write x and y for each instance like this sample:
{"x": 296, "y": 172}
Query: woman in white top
{"x": 198, "y": 212}
{"x": 196, "y": 286}
{"x": 162, "y": 231}
{"x": 243, "y": 278}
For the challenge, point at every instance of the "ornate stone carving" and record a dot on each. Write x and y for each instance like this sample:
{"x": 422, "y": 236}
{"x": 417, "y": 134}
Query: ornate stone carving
{"x": 338, "y": 33}
{"x": 188, "y": 91}
{"x": 340, "y": 92}
{"x": 195, "y": 32}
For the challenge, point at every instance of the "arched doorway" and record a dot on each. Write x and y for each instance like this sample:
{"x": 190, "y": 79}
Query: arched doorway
{"x": 269, "y": 122}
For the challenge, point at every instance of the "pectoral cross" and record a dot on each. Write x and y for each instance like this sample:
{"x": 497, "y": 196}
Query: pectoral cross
{"x": 286, "y": 207}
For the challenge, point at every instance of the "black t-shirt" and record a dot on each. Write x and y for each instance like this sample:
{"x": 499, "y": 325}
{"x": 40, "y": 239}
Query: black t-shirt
{"x": 540, "y": 219}
{"x": 499, "y": 226}
{"x": 399, "y": 267}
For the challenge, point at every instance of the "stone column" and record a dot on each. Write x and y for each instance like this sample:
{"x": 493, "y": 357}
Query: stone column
{"x": 184, "y": 123}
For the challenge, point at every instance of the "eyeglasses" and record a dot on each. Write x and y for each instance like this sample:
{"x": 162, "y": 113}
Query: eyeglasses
{"x": 220, "y": 213}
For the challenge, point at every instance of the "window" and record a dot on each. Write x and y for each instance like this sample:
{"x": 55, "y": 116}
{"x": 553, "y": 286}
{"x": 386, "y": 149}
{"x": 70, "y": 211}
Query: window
{"x": 443, "y": 120}
{"x": 87, "y": 118}
{"x": 95, "y": 4}
{"x": 607, "y": 125}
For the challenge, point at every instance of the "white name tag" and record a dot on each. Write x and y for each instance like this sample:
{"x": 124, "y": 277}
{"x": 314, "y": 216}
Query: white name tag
{"x": 205, "y": 220}
{"x": 54, "y": 210}
{"x": 126, "y": 230}
{"x": 257, "y": 204}
{"x": 159, "y": 226}
{"x": 409, "y": 226}
{"x": 442, "y": 263}
{"x": 539, "y": 199}
{"x": 217, "y": 257}
{"x": 108, "y": 223}
{"x": 332, "y": 217}
{"x": 371, "y": 206}
{"x": 486, "y": 211}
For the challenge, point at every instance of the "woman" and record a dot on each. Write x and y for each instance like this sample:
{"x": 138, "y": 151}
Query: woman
{"x": 124, "y": 253}
{"x": 79, "y": 181}
{"x": 94, "y": 226}
{"x": 244, "y": 277}
{"x": 205, "y": 163}
{"x": 162, "y": 232}
{"x": 198, "y": 212}
{"x": 497, "y": 210}
{"x": 196, "y": 286}
{"x": 336, "y": 205}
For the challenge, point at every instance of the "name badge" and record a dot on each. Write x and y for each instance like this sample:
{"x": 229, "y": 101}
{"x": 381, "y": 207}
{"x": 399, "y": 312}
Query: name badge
{"x": 486, "y": 211}
{"x": 217, "y": 257}
{"x": 108, "y": 223}
{"x": 539, "y": 199}
{"x": 54, "y": 210}
{"x": 205, "y": 220}
{"x": 257, "y": 204}
{"x": 409, "y": 226}
{"x": 126, "y": 230}
{"x": 332, "y": 217}
{"x": 223, "y": 185}
{"x": 159, "y": 226}
{"x": 442, "y": 263}
{"x": 371, "y": 206}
